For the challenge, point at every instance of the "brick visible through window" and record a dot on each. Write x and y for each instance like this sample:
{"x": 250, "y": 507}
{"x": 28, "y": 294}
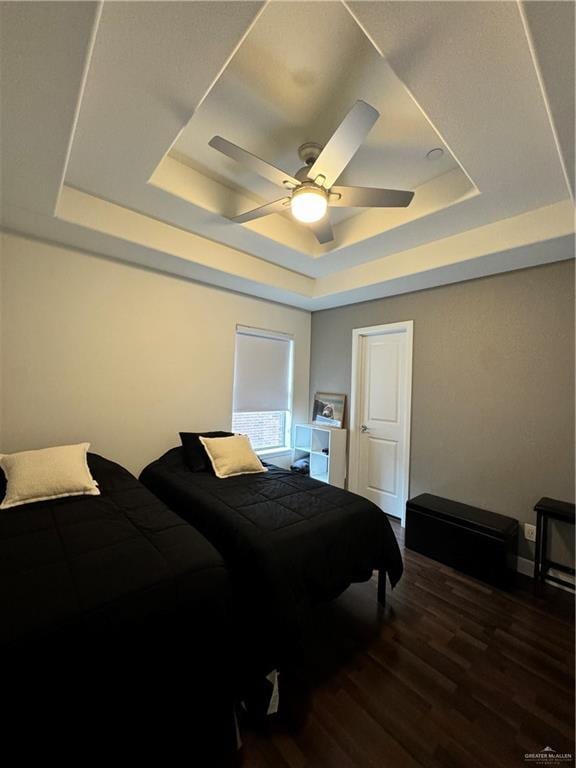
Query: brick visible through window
{"x": 266, "y": 429}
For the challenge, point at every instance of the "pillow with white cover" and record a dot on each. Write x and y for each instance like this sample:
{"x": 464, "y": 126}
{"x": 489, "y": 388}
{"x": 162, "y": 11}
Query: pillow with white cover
{"x": 48, "y": 473}
{"x": 232, "y": 456}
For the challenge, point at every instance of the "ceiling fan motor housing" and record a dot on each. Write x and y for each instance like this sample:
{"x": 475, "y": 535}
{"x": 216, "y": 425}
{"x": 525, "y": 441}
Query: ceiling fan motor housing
{"x": 307, "y": 153}
{"x": 302, "y": 174}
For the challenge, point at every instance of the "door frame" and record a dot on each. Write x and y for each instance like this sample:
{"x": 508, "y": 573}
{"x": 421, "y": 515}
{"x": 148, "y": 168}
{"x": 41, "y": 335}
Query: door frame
{"x": 407, "y": 327}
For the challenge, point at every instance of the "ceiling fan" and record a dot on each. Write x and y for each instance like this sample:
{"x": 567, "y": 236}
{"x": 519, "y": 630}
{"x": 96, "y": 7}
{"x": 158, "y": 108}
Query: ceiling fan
{"x": 311, "y": 189}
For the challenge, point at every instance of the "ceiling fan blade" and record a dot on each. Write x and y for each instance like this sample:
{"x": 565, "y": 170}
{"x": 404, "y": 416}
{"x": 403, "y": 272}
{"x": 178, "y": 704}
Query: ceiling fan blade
{"x": 368, "y": 197}
{"x": 277, "y": 206}
{"x": 322, "y": 230}
{"x": 261, "y": 167}
{"x": 344, "y": 143}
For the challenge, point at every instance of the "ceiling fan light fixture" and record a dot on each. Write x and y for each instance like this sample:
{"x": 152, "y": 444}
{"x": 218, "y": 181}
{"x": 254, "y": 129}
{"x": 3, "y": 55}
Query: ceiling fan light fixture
{"x": 309, "y": 204}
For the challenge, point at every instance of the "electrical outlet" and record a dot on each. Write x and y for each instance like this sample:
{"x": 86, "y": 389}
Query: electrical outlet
{"x": 529, "y": 532}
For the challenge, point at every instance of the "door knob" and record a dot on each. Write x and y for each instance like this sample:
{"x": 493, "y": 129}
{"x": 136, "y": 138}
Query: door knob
{"x": 363, "y": 428}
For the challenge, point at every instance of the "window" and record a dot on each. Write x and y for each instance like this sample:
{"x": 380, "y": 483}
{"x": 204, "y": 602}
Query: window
{"x": 263, "y": 387}
{"x": 266, "y": 429}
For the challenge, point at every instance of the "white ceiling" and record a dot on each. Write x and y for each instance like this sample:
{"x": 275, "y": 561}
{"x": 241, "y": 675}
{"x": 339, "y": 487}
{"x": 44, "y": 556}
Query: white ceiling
{"x": 118, "y": 101}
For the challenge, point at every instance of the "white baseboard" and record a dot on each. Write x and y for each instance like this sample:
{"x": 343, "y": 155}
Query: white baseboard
{"x": 526, "y": 568}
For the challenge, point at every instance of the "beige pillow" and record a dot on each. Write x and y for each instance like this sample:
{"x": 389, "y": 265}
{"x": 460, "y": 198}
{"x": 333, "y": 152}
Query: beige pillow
{"x": 231, "y": 456}
{"x": 50, "y": 473}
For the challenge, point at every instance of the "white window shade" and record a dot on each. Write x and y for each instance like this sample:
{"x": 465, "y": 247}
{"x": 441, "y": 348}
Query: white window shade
{"x": 262, "y": 371}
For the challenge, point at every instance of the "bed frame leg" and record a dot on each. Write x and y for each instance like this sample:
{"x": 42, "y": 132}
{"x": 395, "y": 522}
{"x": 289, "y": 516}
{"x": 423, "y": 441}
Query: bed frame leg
{"x": 382, "y": 587}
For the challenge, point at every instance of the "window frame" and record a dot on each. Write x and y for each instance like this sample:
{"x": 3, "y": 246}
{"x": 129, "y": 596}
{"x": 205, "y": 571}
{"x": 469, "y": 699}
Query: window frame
{"x": 288, "y": 421}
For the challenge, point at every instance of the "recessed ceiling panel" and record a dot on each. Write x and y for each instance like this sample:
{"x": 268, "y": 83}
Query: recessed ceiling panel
{"x": 294, "y": 78}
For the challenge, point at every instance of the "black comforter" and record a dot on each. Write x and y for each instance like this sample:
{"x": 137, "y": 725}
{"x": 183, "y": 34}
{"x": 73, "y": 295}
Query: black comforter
{"x": 113, "y": 611}
{"x": 88, "y": 563}
{"x": 290, "y": 540}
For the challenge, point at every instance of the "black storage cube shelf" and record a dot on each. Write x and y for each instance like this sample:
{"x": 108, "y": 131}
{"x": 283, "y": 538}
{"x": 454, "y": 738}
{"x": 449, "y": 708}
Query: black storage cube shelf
{"x": 481, "y": 543}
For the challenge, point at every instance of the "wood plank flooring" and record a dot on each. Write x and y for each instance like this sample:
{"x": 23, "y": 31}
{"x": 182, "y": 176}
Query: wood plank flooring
{"x": 454, "y": 674}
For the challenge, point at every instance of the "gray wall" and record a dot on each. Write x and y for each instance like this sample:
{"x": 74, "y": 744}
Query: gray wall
{"x": 119, "y": 356}
{"x": 493, "y": 387}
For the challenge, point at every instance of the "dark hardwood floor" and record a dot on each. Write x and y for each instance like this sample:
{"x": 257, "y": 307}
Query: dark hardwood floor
{"x": 454, "y": 674}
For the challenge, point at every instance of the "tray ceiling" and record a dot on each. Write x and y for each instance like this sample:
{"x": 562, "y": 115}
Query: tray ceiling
{"x": 134, "y": 91}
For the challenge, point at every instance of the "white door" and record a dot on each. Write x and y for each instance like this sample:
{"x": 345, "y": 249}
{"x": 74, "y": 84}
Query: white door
{"x": 380, "y": 415}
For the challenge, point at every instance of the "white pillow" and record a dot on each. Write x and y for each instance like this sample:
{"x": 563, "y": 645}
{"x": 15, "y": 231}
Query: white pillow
{"x": 231, "y": 456}
{"x": 49, "y": 473}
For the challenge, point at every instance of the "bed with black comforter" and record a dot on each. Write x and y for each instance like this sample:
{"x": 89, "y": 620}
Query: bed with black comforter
{"x": 113, "y": 619}
{"x": 289, "y": 541}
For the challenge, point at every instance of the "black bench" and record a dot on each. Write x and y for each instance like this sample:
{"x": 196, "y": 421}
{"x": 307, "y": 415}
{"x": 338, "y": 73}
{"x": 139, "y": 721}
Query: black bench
{"x": 475, "y": 541}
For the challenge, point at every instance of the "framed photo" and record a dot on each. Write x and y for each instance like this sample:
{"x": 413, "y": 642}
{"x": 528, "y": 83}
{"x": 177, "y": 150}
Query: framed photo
{"x": 328, "y": 409}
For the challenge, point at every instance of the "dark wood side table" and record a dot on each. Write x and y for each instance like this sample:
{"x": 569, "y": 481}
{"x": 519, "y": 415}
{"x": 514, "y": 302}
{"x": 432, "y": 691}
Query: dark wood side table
{"x": 550, "y": 509}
